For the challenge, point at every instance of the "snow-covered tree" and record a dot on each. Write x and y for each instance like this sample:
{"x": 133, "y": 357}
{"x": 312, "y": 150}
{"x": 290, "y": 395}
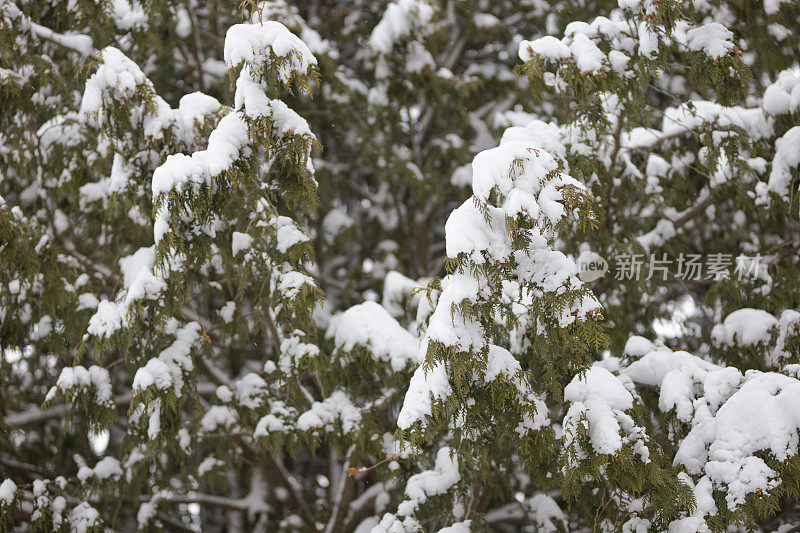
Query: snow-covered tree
{"x": 320, "y": 266}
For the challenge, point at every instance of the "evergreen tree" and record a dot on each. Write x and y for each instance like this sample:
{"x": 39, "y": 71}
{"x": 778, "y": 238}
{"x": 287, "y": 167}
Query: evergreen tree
{"x": 321, "y": 266}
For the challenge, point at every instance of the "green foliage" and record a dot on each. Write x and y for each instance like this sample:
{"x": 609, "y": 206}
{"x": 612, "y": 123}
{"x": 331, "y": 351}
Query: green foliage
{"x": 264, "y": 418}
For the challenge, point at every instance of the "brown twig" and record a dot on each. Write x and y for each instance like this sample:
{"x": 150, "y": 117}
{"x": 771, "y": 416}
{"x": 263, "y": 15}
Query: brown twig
{"x": 355, "y": 470}
{"x": 205, "y": 335}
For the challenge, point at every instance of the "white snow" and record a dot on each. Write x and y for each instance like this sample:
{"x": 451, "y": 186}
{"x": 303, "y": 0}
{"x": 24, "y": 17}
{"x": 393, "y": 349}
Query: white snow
{"x": 167, "y": 370}
{"x": 618, "y": 60}
{"x": 744, "y": 327}
{"x": 549, "y": 270}
{"x": 251, "y": 99}
{"x": 139, "y": 282}
{"x": 396, "y": 290}
{"x": 207, "y": 465}
{"x": 788, "y": 324}
{"x": 291, "y": 282}
{"x": 193, "y": 109}
{"x": 117, "y": 74}
{"x": 75, "y": 41}
{"x": 458, "y": 527}
{"x": 704, "y": 499}
{"x": 286, "y": 121}
{"x": 458, "y": 331}
{"x": 224, "y": 393}
{"x": 783, "y": 96}
{"x": 786, "y": 158}
{"x": 7, "y": 491}
{"x": 426, "y": 384}
{"x": 713, "y": 39}
{"x": 648, "y": 40}
{"x": 545, "y": 510}
{"x": 547, "y": 47}
{"x": 128, "y": 15}
{"x": 400, "y": 19}
{"x": 500, "y": 362}
{"x": 335, "y": 408}
{"x": 77, "y": 378}
{"x": 525, "y": 175}
{"x": 105, "y": 469}
{"x": 183, "y": 23}
{"x": 418, "y": 58}
{"x": 179, "y": 171}
{"x": 486, "y": 21}
{"x": 397, "y": 524}
{"x": 279, "y": 420}
{"x": 227, "y": 311}
{"x": 511, "y": 165}
{"x": 138, "y": 277}
{"x": 588, "y": 57}
{"x": 600, "y": 396}
{"x": 732, "y": 417}
{"x": 526, "y": 180}
{"x": 422, "y": 486}
{"x": 82, "y": 518}
{"x": 534, "y": 133}
{"x": 154, "y": 373}
{"x": 691, "y": 116}
{"x": 676, "y": 374}
{"x": 250, "y": 390}
{"x": 773, "y": 6}
{"x": 107, "y": 320}
{"x": 293, "y": 351}
{"x": 638, "y": 346}
{"x": 469, "y": 233}
{"x": 763, "y": 415}
{"x": 254, "y": 43}
{"x": 288, "y": 234}
{"x": 145, "y": 514}
{"x": 369, "y": 325}
{"x": 218, "y": 417}
{"x": 336, "y": 221}
{"x": 240, "y": 242}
